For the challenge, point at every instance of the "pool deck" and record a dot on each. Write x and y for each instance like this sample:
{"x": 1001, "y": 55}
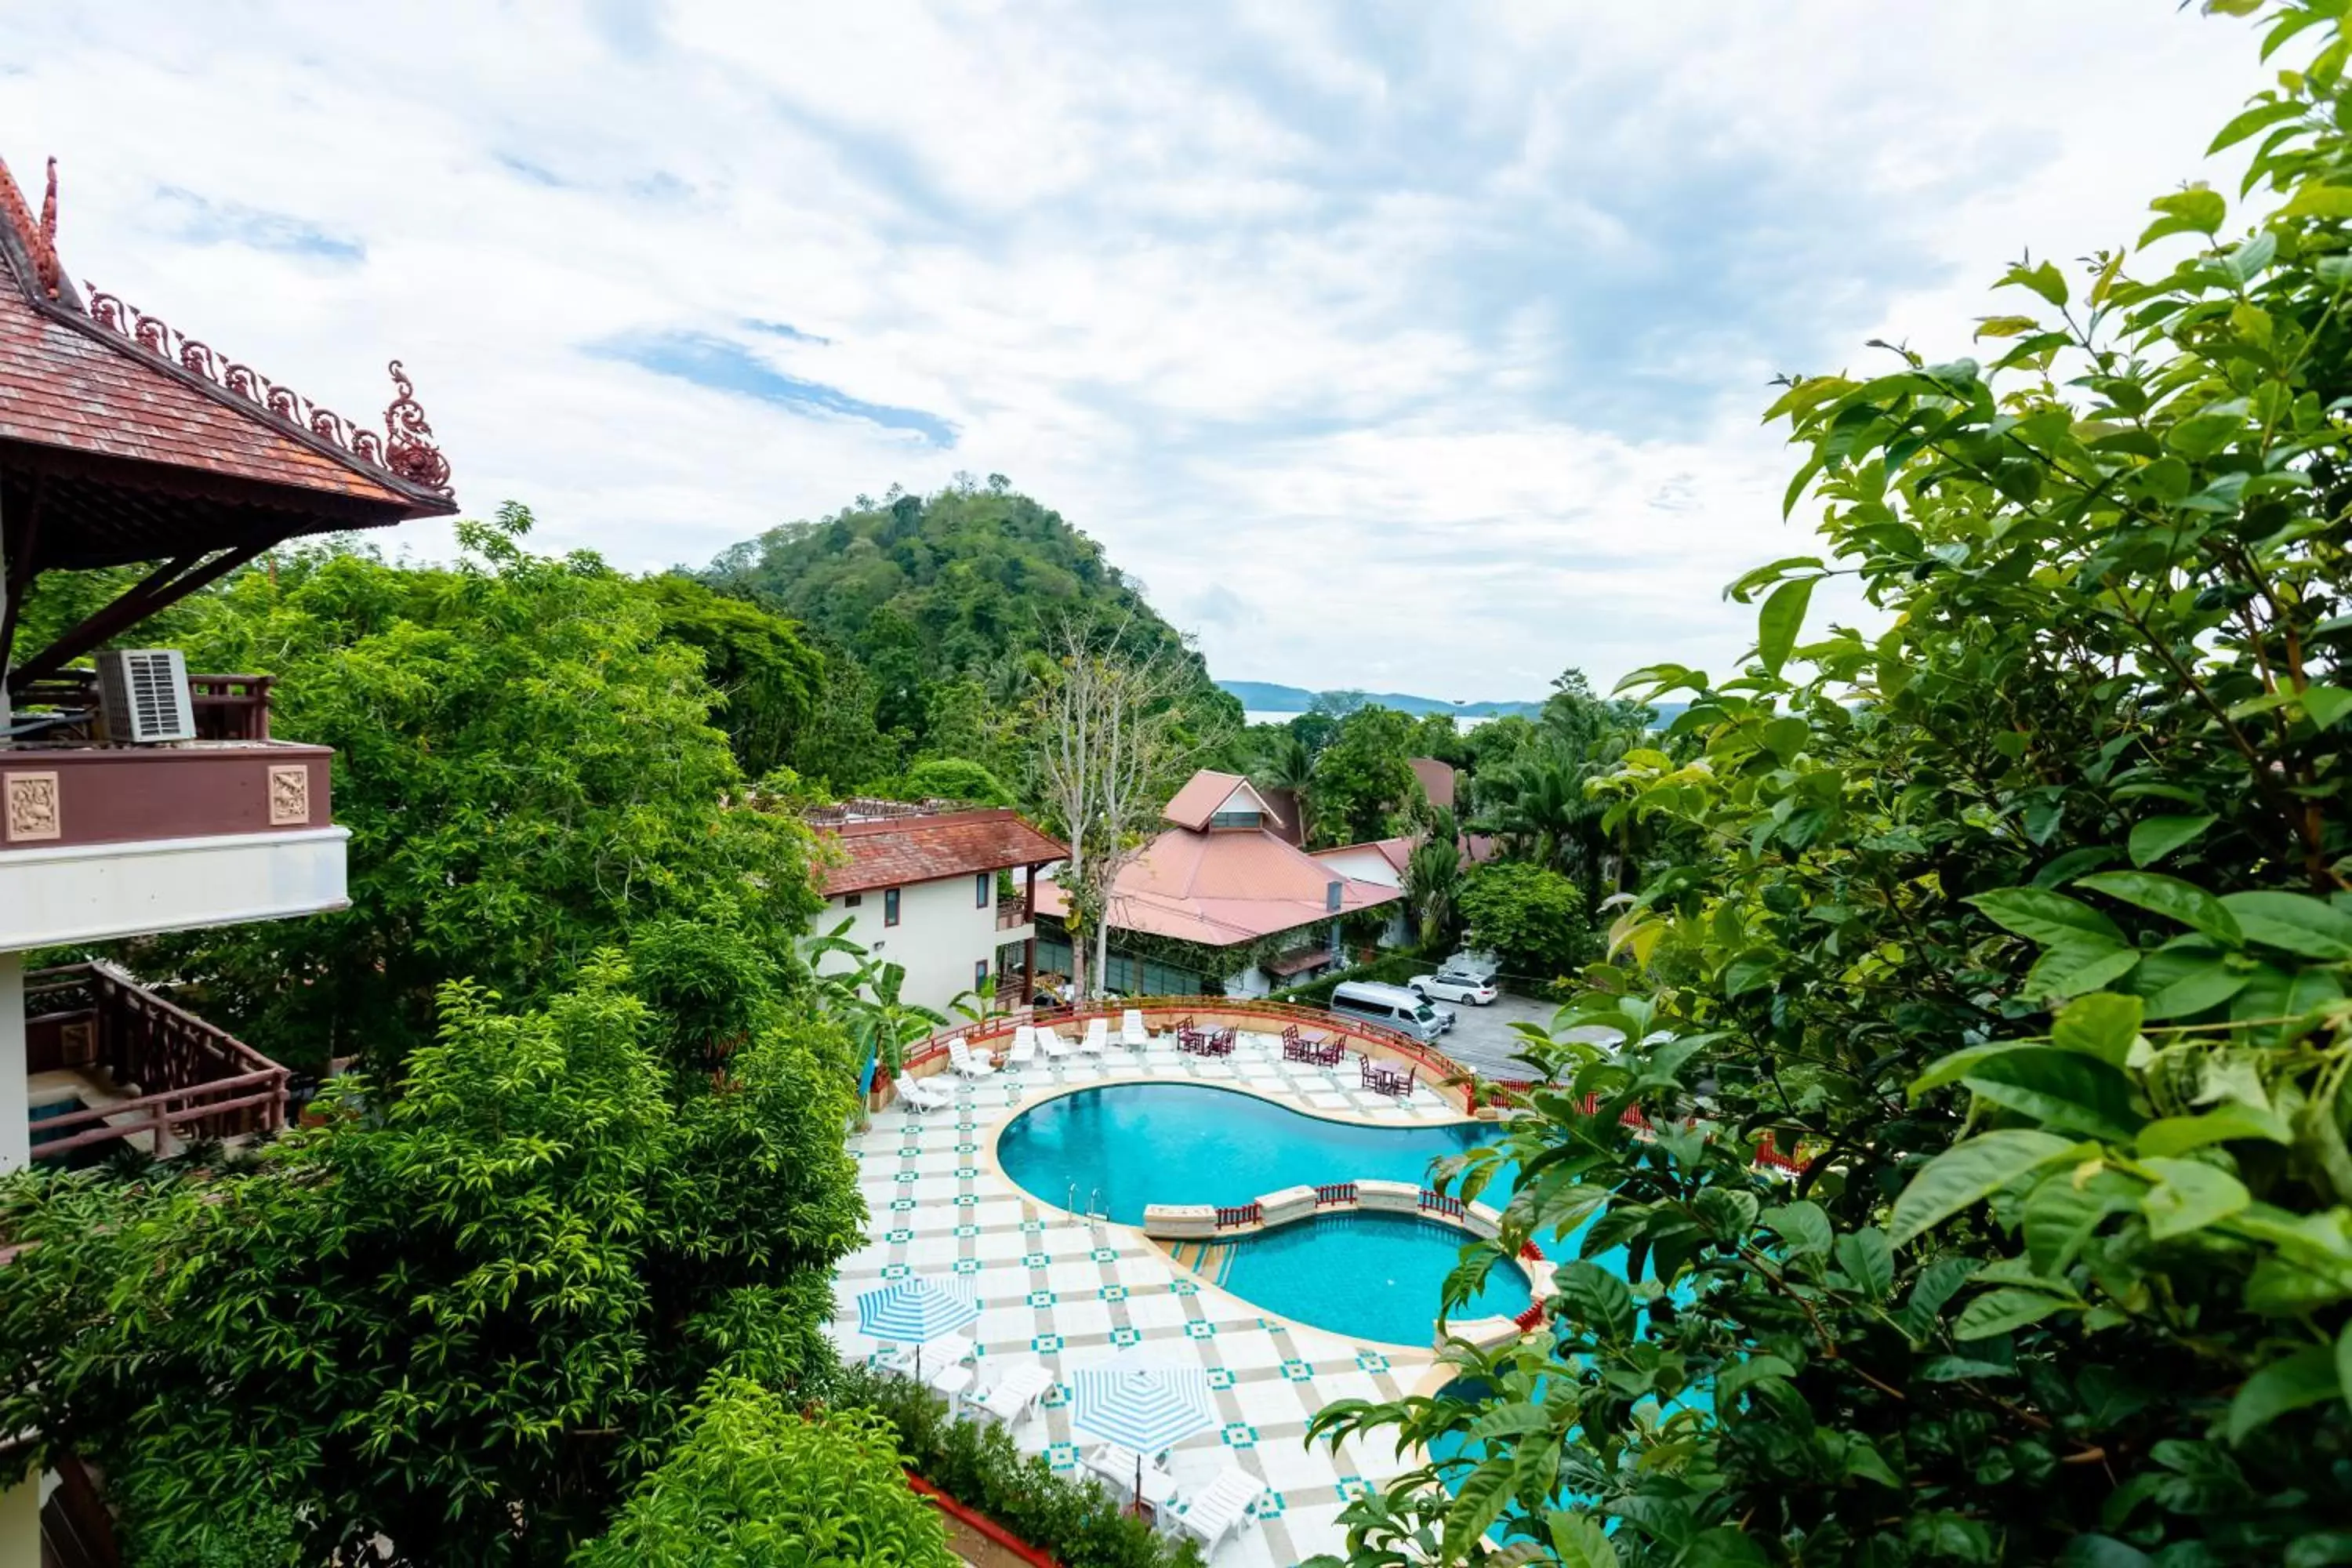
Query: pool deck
{"x": 1055, "y": 1290}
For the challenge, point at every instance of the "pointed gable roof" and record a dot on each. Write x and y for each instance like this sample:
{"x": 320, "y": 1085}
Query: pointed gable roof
{"x": 1207, "y": 792}
{"x": 96, "y": 396}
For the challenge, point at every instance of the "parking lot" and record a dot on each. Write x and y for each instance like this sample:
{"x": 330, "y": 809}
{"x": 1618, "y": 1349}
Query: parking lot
{"x": 1483, "y": 1039}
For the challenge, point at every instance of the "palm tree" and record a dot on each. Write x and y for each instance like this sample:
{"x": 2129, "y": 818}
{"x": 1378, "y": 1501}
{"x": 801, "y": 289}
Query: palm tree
{"x": 1288, "y": 764}
{"x": 1433, "y": 882}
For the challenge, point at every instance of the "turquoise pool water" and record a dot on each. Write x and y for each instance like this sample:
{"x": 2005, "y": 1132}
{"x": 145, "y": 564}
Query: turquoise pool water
{"x": 1141, "y": 1144}
{"x": 1364, "y": 1274}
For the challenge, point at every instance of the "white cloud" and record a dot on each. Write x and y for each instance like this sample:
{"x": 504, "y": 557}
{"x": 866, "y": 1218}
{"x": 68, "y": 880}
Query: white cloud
{"x": 1393, "y": 345}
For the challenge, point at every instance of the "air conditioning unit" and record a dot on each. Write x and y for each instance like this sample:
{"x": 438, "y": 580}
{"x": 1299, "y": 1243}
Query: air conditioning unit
{"x": 143, "y": 694}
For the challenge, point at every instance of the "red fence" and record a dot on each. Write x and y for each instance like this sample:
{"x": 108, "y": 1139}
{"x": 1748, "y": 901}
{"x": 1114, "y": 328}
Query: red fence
{"x": 1335, "y": 1193}
{"x": 1243, "y": 1214}
{"x": 1161, "y": 1012}
{"x": 1438, "y": 1203}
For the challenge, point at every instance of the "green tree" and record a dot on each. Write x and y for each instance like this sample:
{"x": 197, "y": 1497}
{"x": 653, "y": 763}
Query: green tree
{"x": 1532, "y": 918}
{"x": 2025, "y": 922}
{"x": 528, "y": 768}
{"x": 754, "y": 1485}
{"x": 468, "y": 1319}
{"x": 1433, "y": 882}
{"x": 1364, "y": 785}
{"x": 766, "y": 677}
{"x": 952, "y": 778}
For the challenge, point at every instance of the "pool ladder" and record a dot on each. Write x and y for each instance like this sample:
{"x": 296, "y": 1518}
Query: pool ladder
{"x": 1095, "y": 1220}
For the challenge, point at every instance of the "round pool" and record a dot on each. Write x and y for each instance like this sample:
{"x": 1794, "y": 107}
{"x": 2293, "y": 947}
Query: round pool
{"x": 1124, "y": 1146}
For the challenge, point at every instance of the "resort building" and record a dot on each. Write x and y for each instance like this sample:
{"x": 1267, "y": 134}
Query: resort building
{"x": 928, "y": 885}
{"x": 135, "y": 798}
{"x": 1221, "y": 899}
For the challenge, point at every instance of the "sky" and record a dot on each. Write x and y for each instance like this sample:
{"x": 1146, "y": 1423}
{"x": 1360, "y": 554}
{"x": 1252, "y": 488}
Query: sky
{"x": 1395, "y": 345}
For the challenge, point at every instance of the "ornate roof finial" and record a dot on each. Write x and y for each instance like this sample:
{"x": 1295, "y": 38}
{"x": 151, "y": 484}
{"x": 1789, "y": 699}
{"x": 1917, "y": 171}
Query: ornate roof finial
{"x": 39, "y": 236}
{"x": 410, "y": 451}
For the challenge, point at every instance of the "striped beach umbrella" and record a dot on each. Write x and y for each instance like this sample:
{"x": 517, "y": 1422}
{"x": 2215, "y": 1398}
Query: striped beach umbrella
{"x": 1141, "y": 1405}
{"x": 915, "y": 1311}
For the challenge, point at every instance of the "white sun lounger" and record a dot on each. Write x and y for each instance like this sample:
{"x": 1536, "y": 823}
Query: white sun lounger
{"x": 923, "y": 1095}
{"x": 1097, "y": 1038}
{"x": 1050, "y": 1038}
{"x": 1024, "y": 1044}
{"x": 1222, "y": 1507}
{"x": 1131, "y": 1031}
{"x": 939, "y": 1355}
{"x": 971, "y": 1063}
{"x": 1014, "y": 1397}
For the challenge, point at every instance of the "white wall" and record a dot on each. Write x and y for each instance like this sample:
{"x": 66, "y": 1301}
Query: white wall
{"x": 1364, "y": 864}
{"x": 938, "y": 937}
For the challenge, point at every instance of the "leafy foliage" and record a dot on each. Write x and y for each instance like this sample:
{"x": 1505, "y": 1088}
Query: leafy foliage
{"x": 1363, "y": 786}
{"x": 754, "y": 1484}
{"x": 470, "y": 1319}
{"x": 527, "y": 766}
{"x": 1534, "y": 919}
{"x": 979, "y": 1465}
{"x": 2027, "y": 921}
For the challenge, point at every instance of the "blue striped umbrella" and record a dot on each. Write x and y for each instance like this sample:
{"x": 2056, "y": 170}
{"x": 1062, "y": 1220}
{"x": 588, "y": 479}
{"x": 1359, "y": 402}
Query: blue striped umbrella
{"x": 915, "y": 1311}
{"x": 1140, "y": 1404}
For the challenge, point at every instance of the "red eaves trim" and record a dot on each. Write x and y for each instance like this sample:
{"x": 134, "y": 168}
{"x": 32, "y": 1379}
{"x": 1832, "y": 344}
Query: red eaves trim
{"x": 983, "y": 1523}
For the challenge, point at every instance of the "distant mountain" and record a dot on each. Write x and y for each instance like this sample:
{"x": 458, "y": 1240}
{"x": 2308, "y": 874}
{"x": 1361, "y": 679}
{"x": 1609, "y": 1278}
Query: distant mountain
{"x": 1267, "y": 697}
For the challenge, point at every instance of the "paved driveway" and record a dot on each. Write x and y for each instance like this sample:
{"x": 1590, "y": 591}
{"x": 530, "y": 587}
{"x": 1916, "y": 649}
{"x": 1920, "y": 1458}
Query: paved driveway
{"x": 1483, "y": 1039}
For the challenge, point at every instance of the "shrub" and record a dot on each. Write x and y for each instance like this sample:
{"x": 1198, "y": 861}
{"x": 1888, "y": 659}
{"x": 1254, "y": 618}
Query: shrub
{"x": 979, "y": 1465}
{"x": 1532, "y": 918}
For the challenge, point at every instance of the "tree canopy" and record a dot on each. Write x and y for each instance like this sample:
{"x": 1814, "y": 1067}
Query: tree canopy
{"x": 2026, "y": 923}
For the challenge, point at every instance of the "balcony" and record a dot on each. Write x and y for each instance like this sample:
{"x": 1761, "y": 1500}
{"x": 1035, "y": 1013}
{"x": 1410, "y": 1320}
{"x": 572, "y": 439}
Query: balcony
{"x": 108, "y": 1061}
{"x": 99, "y": 841}
{"x": 1011, "y": 914}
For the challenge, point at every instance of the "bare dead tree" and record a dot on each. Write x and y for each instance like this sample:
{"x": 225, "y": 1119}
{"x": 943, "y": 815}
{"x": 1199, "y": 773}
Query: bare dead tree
{"x": 1113, "y": 744}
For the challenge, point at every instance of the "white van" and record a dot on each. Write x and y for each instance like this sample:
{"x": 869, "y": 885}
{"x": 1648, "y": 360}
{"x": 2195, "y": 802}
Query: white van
{"x": 1393, "y": 1005}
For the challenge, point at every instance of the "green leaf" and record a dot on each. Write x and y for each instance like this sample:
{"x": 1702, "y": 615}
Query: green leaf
{"x": 2054, "y": 920}
{"x": 2063, "y": 1213}
{"x": 2196, "y": 989}
{"x": 1937, "y": 1284}
{"x": 2180, "y": 1134}
{"x": 1802, "y": 1227}
{"x": 2066, "y": 1091}
{"x": 2294, "y": 923}
{"x": 1740, "y": 1373}
{"x": 1577, "y": 1542}
{"x": 2319, "y": 201}
{"x": 2157, "y": 836}
{"x": 1778, "y": 624}
{"x": 2307, "y": 1377}
{"x": 2044, "y": 279}
{"x": 2252, "y": 120}
{"x": 2003, "y": 1310}
{"x": 1597, "y": 1300}
{"x": 2189, "y": 1196}
{"x": 2103, "y": 1025}
{"x": 2344, "y": 1363}
{"x": 2326, "y": 704}
{"x": 1863, "y": 1462}
{"x": 1868, "y": 1261}
{"x": 2064, "y": 972}
{"x": 2101, "y": 1551}
{"x": 2189, "y": 904}
{"x": 2196, "y": 210}
{"x": 1973, "y": 1170}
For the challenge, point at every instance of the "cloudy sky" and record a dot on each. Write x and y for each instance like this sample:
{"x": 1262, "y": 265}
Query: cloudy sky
{"x": 1390, "y": 344}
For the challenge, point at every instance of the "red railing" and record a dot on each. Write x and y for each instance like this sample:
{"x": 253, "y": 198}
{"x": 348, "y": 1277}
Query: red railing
{"x": 1438, "y": 1203}
{"x": 1245, "y": 1214}
{"x": 1332, "y": 1193}
{"x": 1440, "y": 1068}
{"x": 1531, "y": 1319}
{"x": 194, "y": 1079}
{"x": 1010, "y": 914}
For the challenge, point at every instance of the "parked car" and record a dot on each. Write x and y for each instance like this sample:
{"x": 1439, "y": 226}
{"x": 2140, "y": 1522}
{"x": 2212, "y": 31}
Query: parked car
{"x": 1393, "y": 1005}
{"x": 1454, "y": 985}
{"x": 1474, "y": 961}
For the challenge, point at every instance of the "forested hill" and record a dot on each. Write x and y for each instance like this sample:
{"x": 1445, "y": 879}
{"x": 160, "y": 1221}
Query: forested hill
{"x": 935, "y": 605}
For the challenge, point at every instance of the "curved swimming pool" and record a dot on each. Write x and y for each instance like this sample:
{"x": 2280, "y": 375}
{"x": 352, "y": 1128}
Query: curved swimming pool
{"x": 1143, "y": 1144}
{"x": 1366, "y": 1274}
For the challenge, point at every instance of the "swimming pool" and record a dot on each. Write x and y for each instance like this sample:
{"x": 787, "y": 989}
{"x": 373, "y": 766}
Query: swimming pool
{"x": 1135, "y": 1144}
{"x": 1366, "y": 1274}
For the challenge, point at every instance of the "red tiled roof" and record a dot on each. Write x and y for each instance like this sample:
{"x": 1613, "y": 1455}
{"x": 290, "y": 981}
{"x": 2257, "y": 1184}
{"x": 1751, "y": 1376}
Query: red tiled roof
{"x": 893, "y": 852}
{"x": 1436, "y": 781}
{"x": 68, "y": 382}
{"x": 1222, "y": 887}
{"x": 1203, "y": 792}
{"x": 1297, "y": 961}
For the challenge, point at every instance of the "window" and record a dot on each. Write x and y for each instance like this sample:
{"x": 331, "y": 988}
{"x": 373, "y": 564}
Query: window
{"x": 889, "y": 906}
{"x": 1237, "y": 819}
{"x": 979, "y": 974}
{"x": 980, "y": 889}
{"x": 852, "y": 900}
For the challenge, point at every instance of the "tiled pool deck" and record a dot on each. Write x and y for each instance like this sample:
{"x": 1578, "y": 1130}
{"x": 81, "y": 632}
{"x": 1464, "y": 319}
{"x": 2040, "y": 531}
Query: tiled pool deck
{"x": 1053, "y": 1288}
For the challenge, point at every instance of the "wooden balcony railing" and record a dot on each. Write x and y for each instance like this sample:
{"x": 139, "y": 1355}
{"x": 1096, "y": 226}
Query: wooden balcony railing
{"x": 226, "y": 707}
{"x": 184, "y": 1077}
{"x": 1011, "y": 914}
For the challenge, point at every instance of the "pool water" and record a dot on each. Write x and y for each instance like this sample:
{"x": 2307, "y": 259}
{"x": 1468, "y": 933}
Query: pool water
{"x": 1365, "y": 1274}
{"x": 1128, "y": 1145}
